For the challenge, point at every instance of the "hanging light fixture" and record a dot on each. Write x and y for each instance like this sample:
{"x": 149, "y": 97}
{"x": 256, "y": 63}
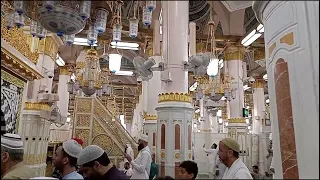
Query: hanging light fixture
{"x": 89, "y": 77}
{"x": 117, "y": 32}
{"x": 69, "y": 39}
{"x": 133, "y": 27}
{"x": 33, "y": 28}
{"x": 41, "y": 32}
{"x": 134, "y": 23}
{"x": 213, "y": 67}
{"x": 147, "y": 16}
{"x": 9, "y": 20}
{"x": 101, "y": 20}
{"x": 45, "y": 13}
{"x": 151, "y": 5}
{"x": 49, "y": 5}
{"x": 18, "y": 20}
{"x": 92, "y": 35}
{"x": 115, "y": 61}
{"x": 19, "y": 7}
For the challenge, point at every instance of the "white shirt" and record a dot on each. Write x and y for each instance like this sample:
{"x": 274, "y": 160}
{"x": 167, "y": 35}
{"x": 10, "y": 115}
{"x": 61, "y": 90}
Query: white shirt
{"x": 128, "y": 172}
{"x": 238, "y": 170}
{"x": 215, "y": 161}
{"x": 130, "y": 152}
{"x": 212, "y": 154}
{"x": 142, "y": 164}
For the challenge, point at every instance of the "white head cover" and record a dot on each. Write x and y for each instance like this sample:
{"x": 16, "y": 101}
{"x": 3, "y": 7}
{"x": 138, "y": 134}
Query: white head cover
{"x": 11, "y": 141}
{"x": 89, "y": 154}
{"x": 72, "y": 148}
{"x": 144, "y": 137}
{"x": 128, "y": 145}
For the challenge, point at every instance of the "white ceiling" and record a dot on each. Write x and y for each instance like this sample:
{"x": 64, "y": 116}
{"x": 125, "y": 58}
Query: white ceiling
{"x": 236, "y": 5}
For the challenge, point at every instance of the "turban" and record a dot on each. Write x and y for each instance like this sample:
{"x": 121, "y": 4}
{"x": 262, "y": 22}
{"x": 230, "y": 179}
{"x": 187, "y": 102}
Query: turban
{"x": 143, "y": 137}
{"x": 89, "y": 154}
{"x": 72, "y": 148}
{"x": 232, "y": 144}
{"x": 11, "y": 141}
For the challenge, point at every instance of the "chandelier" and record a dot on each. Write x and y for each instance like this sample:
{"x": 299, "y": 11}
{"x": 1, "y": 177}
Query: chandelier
{"x": 68, "y": 18}
{"x": 216, "y": 85}
{"x": 90, "y": 78}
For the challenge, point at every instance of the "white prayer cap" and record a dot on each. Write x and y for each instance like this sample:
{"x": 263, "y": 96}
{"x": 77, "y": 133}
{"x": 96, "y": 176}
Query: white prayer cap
{"x": 89, "y": 154}
{"x": 11, "y": 141}
{"x": 128, "y": 145}
{"x": 72, "y": 148}
{"x": 143, "y": 137}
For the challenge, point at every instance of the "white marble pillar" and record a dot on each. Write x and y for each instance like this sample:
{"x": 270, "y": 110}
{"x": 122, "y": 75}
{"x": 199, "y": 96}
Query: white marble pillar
{"x": 192, "y": 39}
{"x": 292, "y": 58}
{"x": 257, "y": 118}
{"x": 153, "y": 90}
{"x": 214, "y": 123}
{"x": 46, "y": 65}
{"x": 63, "y": 103}
{"x": 128, "y": 127}
{"x": 237, "y": 127}
{"x": 175, "y": 112}
{"x": 34, "y": 129}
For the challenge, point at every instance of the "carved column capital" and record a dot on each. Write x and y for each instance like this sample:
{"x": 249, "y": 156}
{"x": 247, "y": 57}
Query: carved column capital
{"x": 259, "y": 55}
{"x": 234, "y": 53}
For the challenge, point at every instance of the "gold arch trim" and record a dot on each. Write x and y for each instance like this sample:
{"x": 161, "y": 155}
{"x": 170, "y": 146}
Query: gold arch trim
{"x": 234, "y": 53}
{"x": 237, "y": 120}
{"x": 37, "y": 106}
{"x": 150, "y": 117}
{"x": 258, "y": 84}
{"x": 64, "y": 71}
{"x": 177, "y": 97}
{"x": 16, "y": 65}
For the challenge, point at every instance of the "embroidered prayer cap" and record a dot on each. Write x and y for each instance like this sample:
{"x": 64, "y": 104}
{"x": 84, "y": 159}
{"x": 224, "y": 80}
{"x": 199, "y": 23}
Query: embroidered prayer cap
{"x": 232, "y": 144}
{"x": 143, "y": 137}
{"x": 89, "y": 154}
{"x": 72, "y": 148}
{"x": 11, "y": 141}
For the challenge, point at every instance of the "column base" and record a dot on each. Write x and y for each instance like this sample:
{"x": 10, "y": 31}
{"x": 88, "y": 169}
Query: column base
{"x": 35, "y": 136}
{"x": 40, "y": 169}
{"x": 174, "y": 127}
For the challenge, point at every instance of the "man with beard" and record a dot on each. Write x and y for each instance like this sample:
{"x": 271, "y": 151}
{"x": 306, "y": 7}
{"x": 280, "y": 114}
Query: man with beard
{"x": 229, "y": 155}
{"x": 142, "y": 164}
{"x": 65, "y": 159}
{"x": 95, "y": 164}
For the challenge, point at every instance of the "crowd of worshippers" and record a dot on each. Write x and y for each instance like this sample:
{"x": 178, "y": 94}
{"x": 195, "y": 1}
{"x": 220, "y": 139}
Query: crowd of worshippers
{"x": 72, "y": 161}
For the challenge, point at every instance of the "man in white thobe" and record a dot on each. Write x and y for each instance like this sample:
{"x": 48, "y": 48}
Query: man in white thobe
{"x": 216, "y": 168}
{"x": 129, "y": 151}
{"x": 229, "y": 155}
{"x": 142, "y": 164}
